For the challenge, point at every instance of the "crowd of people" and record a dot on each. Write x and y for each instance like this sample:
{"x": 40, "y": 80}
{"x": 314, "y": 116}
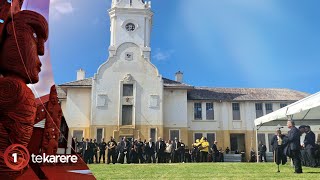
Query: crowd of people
{"x": 302, "y": 150}
{"x": 306, "y": 152}
{"x": 138, "y": 151}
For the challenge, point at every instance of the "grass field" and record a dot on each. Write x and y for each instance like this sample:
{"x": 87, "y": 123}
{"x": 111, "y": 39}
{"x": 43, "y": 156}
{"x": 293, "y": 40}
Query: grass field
{"x": 201, "y": 171}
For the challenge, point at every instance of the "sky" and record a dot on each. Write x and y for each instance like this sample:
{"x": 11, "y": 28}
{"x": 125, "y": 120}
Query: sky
{"x": 230, "y": 43}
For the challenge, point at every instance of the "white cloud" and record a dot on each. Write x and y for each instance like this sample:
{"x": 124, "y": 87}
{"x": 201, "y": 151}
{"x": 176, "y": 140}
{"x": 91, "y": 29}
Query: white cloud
{"x": 59, "y": 8}
{"x": 162, "y": 55}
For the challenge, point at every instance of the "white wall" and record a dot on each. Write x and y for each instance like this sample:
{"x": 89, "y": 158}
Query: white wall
{"x": 205, "y": 125}
{"x": 107, "y": 82}
{"x": 175, "y": 108}
{"x": 140, "y": 16}
{"x": 223, "y": 117}
{"x": 77, "y": 107}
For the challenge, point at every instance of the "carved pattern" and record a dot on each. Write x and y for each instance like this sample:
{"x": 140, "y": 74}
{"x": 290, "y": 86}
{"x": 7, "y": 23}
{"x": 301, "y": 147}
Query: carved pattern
{"x": 128, "y": 78}
{"x": 53, "y": 122}
{"x": 17, "y": 102}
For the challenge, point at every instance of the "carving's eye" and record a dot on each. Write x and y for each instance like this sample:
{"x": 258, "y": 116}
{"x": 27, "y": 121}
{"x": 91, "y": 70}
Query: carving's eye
{"x": 35, "y": 35}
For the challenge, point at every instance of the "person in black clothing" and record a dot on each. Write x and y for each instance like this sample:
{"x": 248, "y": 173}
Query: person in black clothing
{"x": 262, "y": 151}
{"x": 80, "y": 149}
{"x": 102, "y": 154}
{"x": 215, "y": 152}
{"x": 195, "y": 157}
{"x": 176, "y": 150}
{"x": 140, "y": 148}
{"x": 86, "y": 151}
{"x": 134, "y": 152}
{"x": 253, "y": 156}
{"x": 294, "y": 146}
{"x": 277, "y": 146}
{"x": 125, "y": 150}
{"x": 150, "y": 151}
{"x": 309, "y": 145}
{"x": 73, "y": 145}
{"x": 111, "y": 146}
{"x": 90, "y": 151}
{"x": 160, "y": 148}
{"x": 95, "y": 151}
{"x": 227, "y": 150}
{"x": 182, "y": 151}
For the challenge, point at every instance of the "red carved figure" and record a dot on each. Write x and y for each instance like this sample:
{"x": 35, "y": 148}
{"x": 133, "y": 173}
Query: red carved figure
{"x": 23, "y": 40}
{"x": 53, "y": 122}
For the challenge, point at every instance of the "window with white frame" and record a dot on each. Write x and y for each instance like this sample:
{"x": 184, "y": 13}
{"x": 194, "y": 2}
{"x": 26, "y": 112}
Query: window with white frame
{"x": 128, "y": 90}
{"x": 211, "y": 137}
{"x": 282, "y": 105}
{"x": 127, "y": 114}
{"x": 269, "y": 108}
{"x": 197, "y": 111}
{"x": 270, "y": 136}
{"x": 262, "y": 138}
{"x": 153, "y": 134}
{"x": 197, "y": 136}
{"x": 259, "y": 110}
{"x": 209, "y": 111}
{"x": 236, "y": 111}
{"x": 78, "y": 134}
{"x": 174, "y": 133}
{"x": 99, "y": 134}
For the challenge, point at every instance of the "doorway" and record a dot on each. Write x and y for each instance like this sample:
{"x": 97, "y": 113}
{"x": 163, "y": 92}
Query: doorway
{"x": 237, "y": 142}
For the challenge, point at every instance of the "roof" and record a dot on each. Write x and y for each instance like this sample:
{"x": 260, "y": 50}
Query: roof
{"x": 168, "y": 83}
{"x": 245, "y": 94}
{"x": 61, "y": 93}
{"x": 84, "y": 83}
{"x": 207, "y": 93}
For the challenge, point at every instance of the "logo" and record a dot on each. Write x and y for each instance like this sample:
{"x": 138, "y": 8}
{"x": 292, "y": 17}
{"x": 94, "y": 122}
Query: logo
{"x": 16, "y": 157}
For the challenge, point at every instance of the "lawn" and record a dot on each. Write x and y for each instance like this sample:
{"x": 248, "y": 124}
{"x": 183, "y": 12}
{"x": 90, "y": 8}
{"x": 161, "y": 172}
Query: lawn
{"x": 200, "y": 171}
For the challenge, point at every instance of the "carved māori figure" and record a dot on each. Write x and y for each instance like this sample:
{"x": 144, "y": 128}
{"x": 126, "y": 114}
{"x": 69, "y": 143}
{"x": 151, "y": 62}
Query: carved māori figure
{"x": 22, "y": 41}
{"x": 52, "y": 126}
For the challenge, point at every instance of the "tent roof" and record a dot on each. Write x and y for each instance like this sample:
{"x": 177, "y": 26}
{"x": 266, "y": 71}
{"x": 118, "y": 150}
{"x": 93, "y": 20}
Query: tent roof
{"x": 306, "y": 110}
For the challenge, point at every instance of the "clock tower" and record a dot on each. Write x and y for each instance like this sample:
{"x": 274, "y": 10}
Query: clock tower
{"x": 131, "y": 22}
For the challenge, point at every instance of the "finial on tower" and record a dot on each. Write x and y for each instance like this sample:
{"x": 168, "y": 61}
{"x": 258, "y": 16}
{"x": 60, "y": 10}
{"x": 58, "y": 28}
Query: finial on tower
{"x": 138, "y": 4}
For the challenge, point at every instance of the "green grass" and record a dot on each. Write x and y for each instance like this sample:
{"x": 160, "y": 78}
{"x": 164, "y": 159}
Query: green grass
{"x": 201, "y": 171}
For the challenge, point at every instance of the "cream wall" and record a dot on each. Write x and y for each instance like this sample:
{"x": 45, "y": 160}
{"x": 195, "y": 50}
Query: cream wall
{"x": 77, "y": 107}
{"x": 223, "y": 115}
{"x": 137, "y": 13}
{"x": 107, "y": 86}
{"x": 175, "y": 108}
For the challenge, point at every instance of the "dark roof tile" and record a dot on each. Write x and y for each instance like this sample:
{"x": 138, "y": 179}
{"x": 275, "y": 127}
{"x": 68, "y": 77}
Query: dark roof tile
{"x": 245, "y": 94}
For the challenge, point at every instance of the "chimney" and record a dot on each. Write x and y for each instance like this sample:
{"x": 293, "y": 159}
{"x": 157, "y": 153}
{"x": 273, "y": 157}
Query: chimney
{"x": 81, "y": 74}
{"x": 179, "y": 76}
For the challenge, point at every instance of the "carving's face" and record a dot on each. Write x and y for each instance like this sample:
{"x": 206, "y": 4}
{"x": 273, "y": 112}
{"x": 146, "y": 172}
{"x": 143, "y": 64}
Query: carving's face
{"x": 25, "y": 40}
{"x": 33, "y": 47}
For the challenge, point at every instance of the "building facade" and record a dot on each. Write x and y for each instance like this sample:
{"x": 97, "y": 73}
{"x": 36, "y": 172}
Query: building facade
{"x": 129, "y": 97}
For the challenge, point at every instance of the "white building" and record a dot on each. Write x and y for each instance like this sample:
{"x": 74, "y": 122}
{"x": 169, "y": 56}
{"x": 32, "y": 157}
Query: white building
{"x": 129, "y": 97}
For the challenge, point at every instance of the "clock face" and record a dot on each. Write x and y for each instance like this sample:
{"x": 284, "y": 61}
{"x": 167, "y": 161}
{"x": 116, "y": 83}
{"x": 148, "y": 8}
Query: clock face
{"x": 130, "y": 27}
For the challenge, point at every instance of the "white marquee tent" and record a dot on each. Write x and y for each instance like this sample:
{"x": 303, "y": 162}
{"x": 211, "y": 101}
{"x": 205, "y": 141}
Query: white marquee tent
{"x": 305, "y": 111}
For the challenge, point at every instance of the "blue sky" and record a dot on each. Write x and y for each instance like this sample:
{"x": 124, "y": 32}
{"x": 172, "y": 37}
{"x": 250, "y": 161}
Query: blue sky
{"x": 230, "y": 43}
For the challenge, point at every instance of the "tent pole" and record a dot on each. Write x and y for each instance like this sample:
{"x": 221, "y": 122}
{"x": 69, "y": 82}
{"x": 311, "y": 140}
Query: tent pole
{"x": 257, "y": 156}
